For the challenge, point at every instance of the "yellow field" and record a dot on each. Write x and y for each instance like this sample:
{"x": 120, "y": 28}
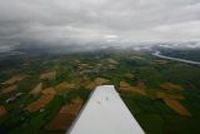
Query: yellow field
{"x": 140, "y": 91}
{"x": 171, "y": 101}
{"x": 177, "y": 107}
{"x": 124, "y": 86}
{"x": 163, "y": 95}
{"x": 64, "y": 86}
{"x": 48, "y": 95}
{"x": 169, "y": 86}
{"x": 101, "y": 81}
{"x": 83, "y": 65}
{"x": 37, "y": 89}
{"x": 49, "y": 91}
{"x": 65, "y": 116}
{"x": 91, "y": 86}
{"x": 14, "y": 79}
{"x": 48, "y": 76}
{"x": 140, "y": 88}
{"x": 9, "y": 89}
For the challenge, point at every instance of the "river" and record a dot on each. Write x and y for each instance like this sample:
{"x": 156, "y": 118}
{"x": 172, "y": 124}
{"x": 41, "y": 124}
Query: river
{"x": 157, "y": 54}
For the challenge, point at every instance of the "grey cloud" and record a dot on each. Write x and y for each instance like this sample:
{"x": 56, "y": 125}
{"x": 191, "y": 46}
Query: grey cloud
{"x": 86, "y": 21}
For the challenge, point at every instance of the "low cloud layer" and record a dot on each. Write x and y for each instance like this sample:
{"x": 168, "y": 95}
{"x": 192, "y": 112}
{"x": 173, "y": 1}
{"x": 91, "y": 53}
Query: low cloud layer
{"x": 88, "y": 21}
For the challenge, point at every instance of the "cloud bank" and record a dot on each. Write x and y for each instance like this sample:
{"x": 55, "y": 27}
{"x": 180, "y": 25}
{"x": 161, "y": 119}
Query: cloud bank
{"x": 91, "y": 21}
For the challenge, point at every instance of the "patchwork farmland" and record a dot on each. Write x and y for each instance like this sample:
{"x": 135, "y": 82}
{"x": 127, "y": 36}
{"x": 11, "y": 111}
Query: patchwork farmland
{"x": 46, "y": 95}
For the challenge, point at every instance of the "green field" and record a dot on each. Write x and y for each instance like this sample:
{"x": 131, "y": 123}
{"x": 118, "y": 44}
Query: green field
{"x": 82, "y": 69}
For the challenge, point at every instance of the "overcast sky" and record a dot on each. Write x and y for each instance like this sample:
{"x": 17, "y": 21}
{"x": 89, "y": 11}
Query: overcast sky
{"x": 66, "y": 21}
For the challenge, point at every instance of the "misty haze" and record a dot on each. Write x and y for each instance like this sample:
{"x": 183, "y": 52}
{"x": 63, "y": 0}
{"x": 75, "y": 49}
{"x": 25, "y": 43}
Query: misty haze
{"x": 99, "y": 66}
